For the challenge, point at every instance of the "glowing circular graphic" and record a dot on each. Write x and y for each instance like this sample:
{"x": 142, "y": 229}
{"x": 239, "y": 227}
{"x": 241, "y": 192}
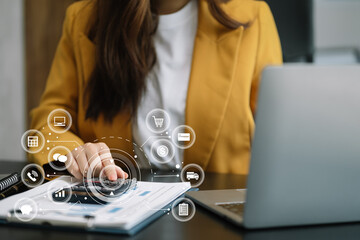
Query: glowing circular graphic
{"x": 103, "y": 190}
{"x": 162, "y": 151}
{"x": 60, "y": 158}
{"x": 59, "y": 120}
{"x": 32, "y": 175}
{"x": 110, "y": 185}
{"x": 59, "y": 191}
{"x": 183, "y": 209}
{"x": 111, "y": 190}
{"x": 157, "y": 120}
{"x": 32, "y": 141}
{"x": 99, "y": 188}
{"x": 25, "y": 209}
{"x": 192, "y": 173}
{"x": 183, "y": 136}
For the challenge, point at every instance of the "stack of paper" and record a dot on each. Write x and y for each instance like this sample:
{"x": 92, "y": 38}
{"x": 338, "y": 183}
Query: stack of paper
{"x": 125, "y": 213}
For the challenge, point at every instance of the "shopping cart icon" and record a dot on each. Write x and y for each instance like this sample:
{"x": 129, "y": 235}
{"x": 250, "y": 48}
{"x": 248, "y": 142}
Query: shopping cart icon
{"x": 158, "y": 122}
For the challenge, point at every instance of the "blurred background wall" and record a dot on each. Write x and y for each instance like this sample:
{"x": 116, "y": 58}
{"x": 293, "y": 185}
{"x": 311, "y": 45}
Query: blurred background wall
{"x": 336, "y": 31}
{"x": 30, "y": 30}
{"x": 336, "y": 24}
{"x": 12, "y": 84}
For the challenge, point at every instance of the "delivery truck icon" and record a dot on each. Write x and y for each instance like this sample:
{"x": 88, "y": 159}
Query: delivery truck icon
{"x": 192, "y": 175}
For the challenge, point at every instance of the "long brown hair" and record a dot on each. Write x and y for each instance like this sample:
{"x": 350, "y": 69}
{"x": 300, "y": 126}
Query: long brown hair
{"x": 122, "y": 31}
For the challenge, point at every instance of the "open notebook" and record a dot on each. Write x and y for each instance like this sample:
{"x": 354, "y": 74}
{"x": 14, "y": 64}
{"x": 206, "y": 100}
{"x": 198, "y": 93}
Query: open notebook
{"x": 127, "y": 214}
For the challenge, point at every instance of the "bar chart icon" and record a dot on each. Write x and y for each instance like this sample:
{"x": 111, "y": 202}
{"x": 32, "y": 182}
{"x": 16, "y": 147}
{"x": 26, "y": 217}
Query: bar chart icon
{"x": 60, "y": 193}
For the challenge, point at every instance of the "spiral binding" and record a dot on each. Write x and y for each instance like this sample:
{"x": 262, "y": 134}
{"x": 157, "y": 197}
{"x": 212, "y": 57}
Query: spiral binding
{"x": 9, "y": 181}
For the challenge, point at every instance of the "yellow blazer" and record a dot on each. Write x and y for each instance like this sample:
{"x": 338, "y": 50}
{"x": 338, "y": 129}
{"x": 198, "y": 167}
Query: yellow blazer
{"x": 222, "y": 91}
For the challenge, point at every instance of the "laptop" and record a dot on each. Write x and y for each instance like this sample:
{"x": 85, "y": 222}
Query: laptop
{"x": 305, "y": 164}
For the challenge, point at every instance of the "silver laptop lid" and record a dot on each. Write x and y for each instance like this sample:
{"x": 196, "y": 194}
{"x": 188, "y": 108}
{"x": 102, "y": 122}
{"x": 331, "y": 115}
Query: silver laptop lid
{"x": 305, "y": 166}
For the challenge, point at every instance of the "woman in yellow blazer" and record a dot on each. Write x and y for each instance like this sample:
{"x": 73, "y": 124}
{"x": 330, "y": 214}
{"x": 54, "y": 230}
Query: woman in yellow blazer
{"x": 232, "y": 46}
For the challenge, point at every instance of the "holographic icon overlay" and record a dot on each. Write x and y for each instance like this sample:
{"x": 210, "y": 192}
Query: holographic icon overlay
{"x": 60, "y": 158}
{"x": 59, "y": 120}
{"x": 162, "y": 151}
{"x": 59, "y": 192}
{"x": 183, "y": 136}
{"x": 25, "y": 209}
{"x": 32, "y": 141}
{"x": 32, "y": 175}
{"x": 183, "y": 209}
{"x": 108, "y": 192}
{"x": 192, "y": 173}
{"x": 157, "y": 120}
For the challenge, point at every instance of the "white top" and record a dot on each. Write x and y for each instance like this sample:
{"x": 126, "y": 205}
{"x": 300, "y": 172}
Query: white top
{"x": 167, "y": 83}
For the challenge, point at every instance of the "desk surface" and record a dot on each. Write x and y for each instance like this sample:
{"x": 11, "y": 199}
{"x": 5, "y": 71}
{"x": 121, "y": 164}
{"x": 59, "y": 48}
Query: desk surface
{"x": 204, "y": 225}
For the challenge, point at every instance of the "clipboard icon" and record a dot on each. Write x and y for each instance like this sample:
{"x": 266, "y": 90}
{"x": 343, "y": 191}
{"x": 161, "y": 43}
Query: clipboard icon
{"x": 183, "y": 209}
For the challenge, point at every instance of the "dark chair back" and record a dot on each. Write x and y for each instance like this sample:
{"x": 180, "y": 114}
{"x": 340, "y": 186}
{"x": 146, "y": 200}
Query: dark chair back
{"x": 294, "y": 20}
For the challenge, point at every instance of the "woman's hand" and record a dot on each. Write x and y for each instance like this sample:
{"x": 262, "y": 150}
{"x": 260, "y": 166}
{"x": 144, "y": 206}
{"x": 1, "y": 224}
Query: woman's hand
{"x": 96, "y": 155}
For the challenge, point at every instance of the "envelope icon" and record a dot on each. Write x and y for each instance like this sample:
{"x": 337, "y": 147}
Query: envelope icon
{"x": 183, "y": 137}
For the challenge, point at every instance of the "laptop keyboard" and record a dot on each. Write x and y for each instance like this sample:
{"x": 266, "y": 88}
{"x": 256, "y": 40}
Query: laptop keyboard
{"x": 237, "y": 208}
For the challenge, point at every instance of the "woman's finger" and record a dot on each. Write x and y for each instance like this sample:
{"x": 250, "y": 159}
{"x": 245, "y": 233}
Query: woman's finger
{"x": 105, "y": 154}
{"x": 109, "y": 168}
{"x": 107, "y": 161}
{"x": 121, "y": 173}
{"x": 93, "y": 159}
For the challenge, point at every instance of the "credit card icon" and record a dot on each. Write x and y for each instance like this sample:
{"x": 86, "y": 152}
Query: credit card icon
{"x": 184, "y": 137}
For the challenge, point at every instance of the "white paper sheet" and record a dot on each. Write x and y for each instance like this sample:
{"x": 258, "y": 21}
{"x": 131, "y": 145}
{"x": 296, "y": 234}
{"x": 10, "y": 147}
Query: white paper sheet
{"x": 124, "y": 213}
